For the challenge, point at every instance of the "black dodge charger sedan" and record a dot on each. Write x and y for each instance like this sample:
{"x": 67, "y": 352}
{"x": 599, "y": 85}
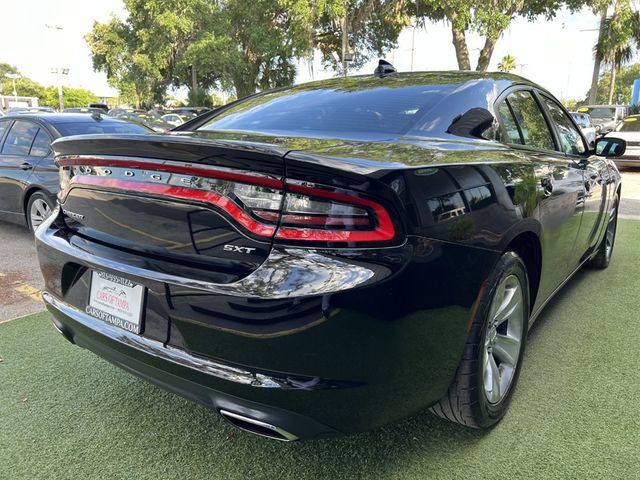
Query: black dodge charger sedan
{"x": 28, "y": 175}
{"x": 334, "y": 256}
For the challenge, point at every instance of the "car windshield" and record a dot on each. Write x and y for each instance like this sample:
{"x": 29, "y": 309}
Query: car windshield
{"x": 582, "y": 120}
{"x": 327, "y": 111}
{"x": 602, "y": 112}
{"x": 85, "y": 128}
{"x": 631, "y": 124}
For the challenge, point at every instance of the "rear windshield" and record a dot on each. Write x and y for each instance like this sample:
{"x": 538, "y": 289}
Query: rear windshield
{"x": 85, "y": 128}
{"x": 631, "y": 124}
{"x": 331, "y": 111}
{"x": 600, "y": 112}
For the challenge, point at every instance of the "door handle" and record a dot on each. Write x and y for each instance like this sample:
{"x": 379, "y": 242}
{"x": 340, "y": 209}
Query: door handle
{"x": 26, "y": 166}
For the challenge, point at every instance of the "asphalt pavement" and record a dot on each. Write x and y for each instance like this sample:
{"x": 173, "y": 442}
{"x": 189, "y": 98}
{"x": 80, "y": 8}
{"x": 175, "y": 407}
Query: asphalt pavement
{"x": 21, "y": 281}
{"x": 20, "y": 277}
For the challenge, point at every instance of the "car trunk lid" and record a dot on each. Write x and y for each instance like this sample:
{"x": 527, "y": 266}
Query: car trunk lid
{"x": 207, "y": 205}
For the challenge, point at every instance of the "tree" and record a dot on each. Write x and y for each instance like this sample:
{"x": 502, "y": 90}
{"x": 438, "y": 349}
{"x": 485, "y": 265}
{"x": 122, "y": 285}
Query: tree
{"x": 623, "y": 86}
{"x": 73, "y": 97}
{"x": 507, "y": 64}
{"x": 233, "y": 45}
{"x": 5, "y": 68}
{"x": 488, "y": 18}
{"x": 139, "y": 55}
{"x": 25, "y": 87}
{"x": 373, "y": 27}
{"x": 618, "y": 33}
{"x": 261, "y": 40}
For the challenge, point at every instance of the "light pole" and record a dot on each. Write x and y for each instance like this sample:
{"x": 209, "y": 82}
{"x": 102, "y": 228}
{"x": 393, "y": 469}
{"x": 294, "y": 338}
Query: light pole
{"x": 13, "y": 77}
{"x": 58, "y": 71}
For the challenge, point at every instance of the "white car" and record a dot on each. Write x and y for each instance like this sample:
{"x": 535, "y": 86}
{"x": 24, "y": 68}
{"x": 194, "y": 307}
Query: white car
{"x": 629, "y": 130}
{"x": 173, "y": 118}
{"x": 588, "y": 129}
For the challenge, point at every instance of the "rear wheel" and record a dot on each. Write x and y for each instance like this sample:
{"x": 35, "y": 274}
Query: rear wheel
{"x": 488, "y": 372}
{"x": 39, "y": 208}
{"x": 604, "y": 252}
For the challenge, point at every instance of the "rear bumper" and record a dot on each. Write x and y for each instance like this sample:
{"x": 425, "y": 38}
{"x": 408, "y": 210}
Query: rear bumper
{"x": 177, "y": 372}
{"x": 331, "y": 361}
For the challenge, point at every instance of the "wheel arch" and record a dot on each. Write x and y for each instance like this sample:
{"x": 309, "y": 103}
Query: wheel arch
{"x": 527, "y": 245}
{"x": 28, "y": 193}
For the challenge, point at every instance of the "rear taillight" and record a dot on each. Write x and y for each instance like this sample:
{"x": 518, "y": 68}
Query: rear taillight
{"x": 262, "y": 205}
{"x": 312, "y": 213}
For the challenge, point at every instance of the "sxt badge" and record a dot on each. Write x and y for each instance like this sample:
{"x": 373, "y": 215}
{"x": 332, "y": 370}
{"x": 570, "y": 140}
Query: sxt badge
{"x": 236, "y": 248}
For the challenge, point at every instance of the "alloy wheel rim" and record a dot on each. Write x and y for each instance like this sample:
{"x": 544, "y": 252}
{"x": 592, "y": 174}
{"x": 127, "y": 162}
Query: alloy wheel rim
{"x": 503, "y": 338}
{"x": 40, "y": 211}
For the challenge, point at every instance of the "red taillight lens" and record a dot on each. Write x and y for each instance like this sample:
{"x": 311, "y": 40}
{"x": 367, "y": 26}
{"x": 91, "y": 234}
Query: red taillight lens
{"x": 260, "y": 204}
{"x": 316, "y": 214}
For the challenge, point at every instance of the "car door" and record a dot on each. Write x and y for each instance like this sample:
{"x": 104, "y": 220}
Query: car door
{"x": 559, "y": 184}
{"x": 15, "y": 168}
{"x": 595, "y": 176}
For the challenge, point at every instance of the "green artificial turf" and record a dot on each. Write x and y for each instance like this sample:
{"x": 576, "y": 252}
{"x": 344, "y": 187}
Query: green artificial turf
{"x": 65, "y": 413}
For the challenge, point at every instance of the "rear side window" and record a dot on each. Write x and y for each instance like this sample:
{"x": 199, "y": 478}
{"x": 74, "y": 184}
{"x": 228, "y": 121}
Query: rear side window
{"x": 20, "y": 138}
{"x": 509, "y": 132}
{"x": 41, "y": 144}
{"x": 533, "y": 126}
{"x": 3, "y": 128}
{"x": 570, "y": 138}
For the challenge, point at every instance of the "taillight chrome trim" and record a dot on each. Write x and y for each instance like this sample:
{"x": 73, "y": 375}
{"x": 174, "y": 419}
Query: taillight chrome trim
{"x": 183, "y": 193}
{"x": 208, "y": 171}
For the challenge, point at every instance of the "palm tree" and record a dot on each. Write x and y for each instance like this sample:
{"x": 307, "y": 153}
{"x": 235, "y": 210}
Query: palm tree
{"x": 620, "y": 31}
{"x": 507, "y": 64}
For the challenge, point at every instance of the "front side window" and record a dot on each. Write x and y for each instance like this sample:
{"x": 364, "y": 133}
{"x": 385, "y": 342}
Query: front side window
{"x": 570, "y": 138}
{"x": 533, "y": 126}
{"x": 20, "y": 138}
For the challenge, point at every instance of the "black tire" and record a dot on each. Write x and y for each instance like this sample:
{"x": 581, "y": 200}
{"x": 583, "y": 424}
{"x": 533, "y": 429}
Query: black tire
{"x": 466, "y": 401}
{"x": 604, "y": 252}
{"x": 37, "y": 201}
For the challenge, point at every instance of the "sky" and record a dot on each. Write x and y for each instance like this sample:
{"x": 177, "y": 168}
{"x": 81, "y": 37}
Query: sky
{"x": 556, "y": 54}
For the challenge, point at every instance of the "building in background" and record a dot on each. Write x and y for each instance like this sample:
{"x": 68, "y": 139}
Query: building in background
{"x": 8, "y": 101}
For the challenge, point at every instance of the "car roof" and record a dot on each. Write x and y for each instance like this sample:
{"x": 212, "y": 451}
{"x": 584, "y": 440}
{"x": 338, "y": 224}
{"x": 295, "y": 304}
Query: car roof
{"x": 56, "y": 118}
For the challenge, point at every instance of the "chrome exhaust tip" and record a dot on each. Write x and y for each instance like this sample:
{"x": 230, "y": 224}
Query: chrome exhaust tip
{"x": 258, "y": 427}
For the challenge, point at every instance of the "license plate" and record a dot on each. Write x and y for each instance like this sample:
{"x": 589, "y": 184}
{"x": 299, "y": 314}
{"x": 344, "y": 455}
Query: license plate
{"x": 116, "y": 300}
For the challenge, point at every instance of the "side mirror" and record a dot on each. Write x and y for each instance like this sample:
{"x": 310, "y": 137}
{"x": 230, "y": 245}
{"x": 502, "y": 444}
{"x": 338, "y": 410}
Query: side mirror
{"x": 610, "y": 147}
